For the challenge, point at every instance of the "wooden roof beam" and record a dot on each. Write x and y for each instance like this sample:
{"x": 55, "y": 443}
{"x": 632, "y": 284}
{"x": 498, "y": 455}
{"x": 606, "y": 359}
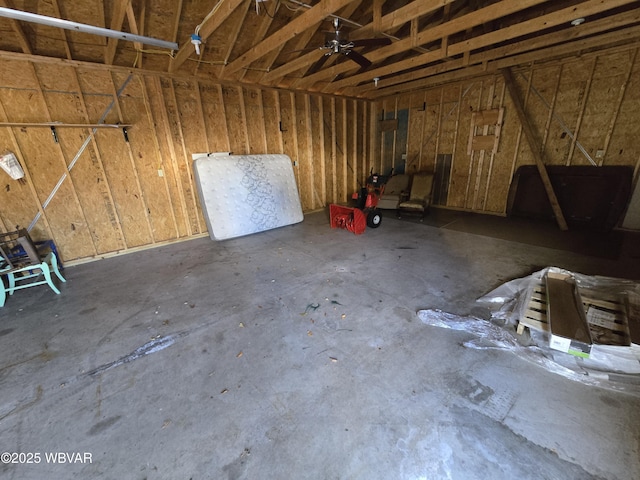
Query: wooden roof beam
{"x": 610, "y": 39}
{"x": 530, "y": 26}
{"x": 546, "y": 42}
{"x": 431, "y": 34}
{"x": 63, "y": 32}
{"x": 307, "y": 19}
{"x": 22, "y": 38}
{"x": 388, "y": 22}
{"x": 534, "y": 145}
{"x": 117, "y": 19}
{"x": 208, "y": 27}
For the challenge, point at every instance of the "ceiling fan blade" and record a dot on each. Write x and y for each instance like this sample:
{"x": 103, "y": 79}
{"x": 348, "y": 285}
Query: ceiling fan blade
{"x": 356, "y": 57}
{"x": 318, "y": 65}
{"x": 371, "y": 42}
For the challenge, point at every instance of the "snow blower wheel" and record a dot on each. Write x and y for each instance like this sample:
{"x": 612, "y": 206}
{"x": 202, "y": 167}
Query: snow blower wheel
{"x": 374, "y": 219}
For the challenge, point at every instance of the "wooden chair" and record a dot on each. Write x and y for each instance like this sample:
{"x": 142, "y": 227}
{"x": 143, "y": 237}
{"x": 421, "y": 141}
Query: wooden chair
{"x": 419, "y": 196}
{"x": 24, "y": 266}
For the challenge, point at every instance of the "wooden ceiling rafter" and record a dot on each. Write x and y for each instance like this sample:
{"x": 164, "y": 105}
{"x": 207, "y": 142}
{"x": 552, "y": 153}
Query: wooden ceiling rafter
{"x": 610, "y": 40}
{"x": 300, "y": 23}
{"x": 17, "y": 28}
{"x": 63, "y": 33}
{"x": 117, "y": 20}
{"x": 455, "y": 25}
{"x": 388, "y": 22}
{"x": 301, "y": 42}
{"x": 432, "y": 40}
{"x": 208, "y": 27}
{"x": 235, "y": 32}
{"x": 137, "y": 27}
{"x": 550, "y": 40}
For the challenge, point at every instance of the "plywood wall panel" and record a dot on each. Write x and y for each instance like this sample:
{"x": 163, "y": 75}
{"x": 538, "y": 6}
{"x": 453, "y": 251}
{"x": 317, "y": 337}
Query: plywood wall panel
{"x": 415, "y": 134}
{"x": 622, "y": 151}
{"x": 140, "y": 193}
{"x": 236, "y": 126}
{"x": 194, "y": 139}
{"x": 273, "y": 135}
{"x": 166, "y": 153}
{"x": 479, "y": 185}
{"x": 182, "y": 161}
{"x": 18, "y": 202}
{"x": 342, "y": 158}
{"x": 302, "y": 127}
{"x": 609, "y": 76}
{"x": 543, "y": 88}
{"x": 214, "y": 117}
{"x": 318, "y": 155}
{"x": 431, "y": 130}
{"x": 254, "y": 113}
{"x": 289, "y": 131}
{"x": 120, "y": 195}
{"x": 593, "y": 102}
{"x": 43, "y": 157}
{"x": 497, "y": 188}
{"x": 331, "y": 185}
{"x": 146, "y": 164}
{"x": 350, "y": 142}
{"x": 456, "y": 140}
{"x": 128, "y": 202}
{"x": 572, "y": 90}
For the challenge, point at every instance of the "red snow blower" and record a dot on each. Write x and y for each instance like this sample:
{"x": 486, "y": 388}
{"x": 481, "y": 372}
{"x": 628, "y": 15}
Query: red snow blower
{"x": 365, "y": 213}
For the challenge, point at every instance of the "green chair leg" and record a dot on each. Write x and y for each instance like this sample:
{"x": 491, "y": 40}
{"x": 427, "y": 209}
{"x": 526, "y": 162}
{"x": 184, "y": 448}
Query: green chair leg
{"x": 46, "y": 271}
{"x": 3, "y": 293}
{"x": 12, "y": 283}
{"x": 54, "y": 266}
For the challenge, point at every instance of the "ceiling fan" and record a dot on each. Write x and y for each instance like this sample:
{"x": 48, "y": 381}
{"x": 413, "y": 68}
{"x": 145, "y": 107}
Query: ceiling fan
{"x": 337, "y": 43}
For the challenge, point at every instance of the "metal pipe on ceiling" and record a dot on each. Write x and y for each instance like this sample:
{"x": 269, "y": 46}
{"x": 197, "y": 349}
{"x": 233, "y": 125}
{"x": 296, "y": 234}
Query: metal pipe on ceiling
{"x": 84, "y": 28}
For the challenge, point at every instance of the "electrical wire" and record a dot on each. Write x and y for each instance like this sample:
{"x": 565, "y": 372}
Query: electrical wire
{"x": 209, "y": 15}
{"x": 154, "y": 52}
{"x": 266, "y": 10}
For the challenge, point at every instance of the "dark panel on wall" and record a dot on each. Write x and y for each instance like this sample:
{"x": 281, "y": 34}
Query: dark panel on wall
{"x": 590, "y": 197}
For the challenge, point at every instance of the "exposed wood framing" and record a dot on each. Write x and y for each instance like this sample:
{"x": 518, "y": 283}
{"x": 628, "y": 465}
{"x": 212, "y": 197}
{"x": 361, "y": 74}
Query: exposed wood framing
{"x": 134, "y": 170}
{"x": 334, "y": 141}
{"x": 117, "y": 19}
{"x": 208, "y": 27}
{"x": 17, "y": 29}
{"x": 63, "y": 33}
{"x": 137, "y": 27}
{"x": 309, "y": 17}
{"x": 576, "y": 130}
{"x": 511, "y": 55}
{"x": 159, "y": 160}
{"x": 534, "y": 145}
{"x": 614, "y": 117}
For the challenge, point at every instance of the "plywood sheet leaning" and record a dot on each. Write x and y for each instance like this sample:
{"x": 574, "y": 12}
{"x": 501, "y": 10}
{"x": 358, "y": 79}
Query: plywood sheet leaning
{"x": 245, "y": 194}
{"x": 567, "y": 320}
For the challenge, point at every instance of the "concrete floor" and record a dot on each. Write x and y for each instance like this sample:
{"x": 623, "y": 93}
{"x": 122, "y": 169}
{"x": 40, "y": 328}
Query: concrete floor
{"x": 297, "y": 354}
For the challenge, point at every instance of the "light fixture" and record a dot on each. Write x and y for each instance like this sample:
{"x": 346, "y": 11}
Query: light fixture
{"x": 375, "y": 81}
{"x": 84, "y": 28}
{"x": 197, "y": 41}
{"x": 577, "y": 21}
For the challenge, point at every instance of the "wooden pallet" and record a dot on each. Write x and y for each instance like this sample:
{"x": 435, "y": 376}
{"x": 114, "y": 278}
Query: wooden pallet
{"x": 606, "y": 315}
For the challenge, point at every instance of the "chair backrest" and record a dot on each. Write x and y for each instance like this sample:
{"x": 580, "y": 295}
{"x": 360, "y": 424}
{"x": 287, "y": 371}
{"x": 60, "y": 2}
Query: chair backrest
{"x": 421, "y": 186}
{"x": 397, "y": 184}
{"x": 17, "y": 249}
